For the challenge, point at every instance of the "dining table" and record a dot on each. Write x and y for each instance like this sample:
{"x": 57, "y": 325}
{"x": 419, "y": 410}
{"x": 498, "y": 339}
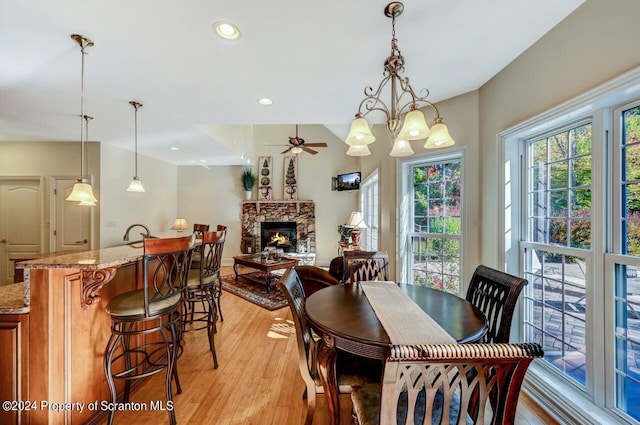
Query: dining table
{"x": 345, "y": 320}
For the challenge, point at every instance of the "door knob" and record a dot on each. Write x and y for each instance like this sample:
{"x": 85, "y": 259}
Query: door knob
{"x": 82, "y": 241}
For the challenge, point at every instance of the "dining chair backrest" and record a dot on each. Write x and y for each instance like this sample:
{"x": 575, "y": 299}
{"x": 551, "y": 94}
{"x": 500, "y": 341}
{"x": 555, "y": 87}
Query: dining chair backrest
{"x": 166, "y": 268}
{"x": 496, "y": 294}
{"x": 366, "y": 265}
{"x": 447, "y": 384}
{"x": 293, "y": 290}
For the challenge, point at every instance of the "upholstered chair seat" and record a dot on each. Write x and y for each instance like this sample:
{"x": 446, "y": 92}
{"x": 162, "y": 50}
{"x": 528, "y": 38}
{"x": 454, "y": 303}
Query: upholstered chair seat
{"x": 131, "y": 304}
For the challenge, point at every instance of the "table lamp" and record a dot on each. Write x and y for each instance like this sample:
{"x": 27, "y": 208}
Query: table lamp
{"x": 356, "y": 221}
{"x": 180, "y": 224}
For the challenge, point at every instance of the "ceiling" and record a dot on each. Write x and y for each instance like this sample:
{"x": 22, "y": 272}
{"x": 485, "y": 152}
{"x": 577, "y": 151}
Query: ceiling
{"x": 199, "y": 91}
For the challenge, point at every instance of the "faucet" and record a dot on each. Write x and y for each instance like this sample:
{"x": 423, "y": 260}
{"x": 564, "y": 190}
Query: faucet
{"x": 126, "y": 234}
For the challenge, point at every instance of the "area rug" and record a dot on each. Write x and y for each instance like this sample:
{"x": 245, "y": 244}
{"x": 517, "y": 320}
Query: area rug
{"x": 255, "y": 292}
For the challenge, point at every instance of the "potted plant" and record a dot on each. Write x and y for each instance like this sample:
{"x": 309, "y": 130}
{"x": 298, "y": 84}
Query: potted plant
{"x": 248, "y": 181}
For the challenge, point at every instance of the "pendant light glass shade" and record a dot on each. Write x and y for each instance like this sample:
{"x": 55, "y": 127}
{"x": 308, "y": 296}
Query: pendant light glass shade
{"x": 87, "y": 203}
{"x": 82, "y": 192}
{"x": 359, "y": 134}
{"x": 136, "y": 183}
{"x": 440, "y": 137}
{"x": 359, "y": 150}
{"x": 415, "y": 126}
{"x": 401, "y": 147}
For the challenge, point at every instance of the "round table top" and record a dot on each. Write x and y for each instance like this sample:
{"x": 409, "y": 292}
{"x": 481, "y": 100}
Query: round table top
{"x": 343, "y": 311}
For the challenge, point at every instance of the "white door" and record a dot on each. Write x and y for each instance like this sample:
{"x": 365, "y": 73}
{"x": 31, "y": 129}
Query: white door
{"x": 21, "y": 223}
{"x": 72, "y": 223}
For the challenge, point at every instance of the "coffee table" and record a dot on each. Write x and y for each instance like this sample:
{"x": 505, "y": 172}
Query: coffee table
{"x": 255, "y": 261}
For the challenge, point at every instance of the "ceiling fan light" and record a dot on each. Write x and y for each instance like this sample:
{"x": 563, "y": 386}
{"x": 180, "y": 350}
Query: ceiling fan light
{"x": 415, "y": 126}
{"x": 401, "y": 147}
{"x": 358, "y": 150}
{"x": 359, "y": 134}
{"x": 440, "y": 137}
{"x": 135, "y": 185}
{"x": 296, "y": 150}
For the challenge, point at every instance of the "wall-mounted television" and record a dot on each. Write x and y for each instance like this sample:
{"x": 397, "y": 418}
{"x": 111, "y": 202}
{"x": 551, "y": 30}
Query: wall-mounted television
{"x": 347, "y": 181}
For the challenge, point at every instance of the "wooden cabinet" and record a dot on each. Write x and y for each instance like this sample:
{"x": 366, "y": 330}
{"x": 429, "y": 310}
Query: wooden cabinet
{"x": 14, "y": 365}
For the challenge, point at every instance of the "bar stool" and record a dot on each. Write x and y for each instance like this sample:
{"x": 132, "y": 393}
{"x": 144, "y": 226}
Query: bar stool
{"x": 200, "y": 310}
{"x": 198, "y": 229}
{"x": 154, "y": 310}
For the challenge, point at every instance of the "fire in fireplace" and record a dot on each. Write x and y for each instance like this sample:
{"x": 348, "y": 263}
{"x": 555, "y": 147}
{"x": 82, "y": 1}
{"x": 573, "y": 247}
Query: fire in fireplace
{"x": 279, "y": 234}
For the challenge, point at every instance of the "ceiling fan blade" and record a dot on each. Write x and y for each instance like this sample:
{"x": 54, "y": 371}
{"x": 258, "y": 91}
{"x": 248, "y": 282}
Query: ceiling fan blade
{"x": 287, "y": 150}
{"x": 317, "y": 145}
{"x": 311, "y": 151}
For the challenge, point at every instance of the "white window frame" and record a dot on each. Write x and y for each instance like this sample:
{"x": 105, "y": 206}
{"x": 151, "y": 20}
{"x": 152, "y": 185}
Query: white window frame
{"x": 370, "y": 207}
{"x": 404, "y": 209}
{"x": 565, "y": 401}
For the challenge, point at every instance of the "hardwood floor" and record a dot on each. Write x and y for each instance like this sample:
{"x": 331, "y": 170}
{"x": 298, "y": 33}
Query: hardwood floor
{"x": 258, "y": 380}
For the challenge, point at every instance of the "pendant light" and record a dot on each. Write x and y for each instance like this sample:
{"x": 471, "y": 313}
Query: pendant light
{"x": 136, "y": 183}
{"x": 87, "y": 118}
{"x": 82, "y": 191}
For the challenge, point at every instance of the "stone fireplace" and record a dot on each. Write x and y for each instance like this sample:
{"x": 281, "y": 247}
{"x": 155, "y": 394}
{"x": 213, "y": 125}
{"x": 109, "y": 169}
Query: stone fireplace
{"x": 259, "y": 217}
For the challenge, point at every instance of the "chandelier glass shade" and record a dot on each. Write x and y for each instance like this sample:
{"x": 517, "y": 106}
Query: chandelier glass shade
{"x": 82, "y": 191}
{"x": 404, "y": 120}
{"x": 136, "y": 183}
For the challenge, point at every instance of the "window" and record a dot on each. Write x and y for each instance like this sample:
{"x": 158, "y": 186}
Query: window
{"x": 558, "y": 215}
{"x": 626, "y": 274}
{"x": 369, "y": 206}
{"x": 571, "y": 198}
{"x": 434, "y": 233}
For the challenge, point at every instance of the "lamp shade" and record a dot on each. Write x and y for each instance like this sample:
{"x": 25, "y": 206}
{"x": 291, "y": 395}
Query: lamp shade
{"x": 440, "y": 137}
{"x": 82, "y": 192}
{"x": 401, "y": 147}
{"x": 356, "y": 220}
{"x": 359, "y": 150}
{"x": 135, "y": 185}
{"x": 359, "y": 134}
{"x": 180, "y": 224}
{"x": 415, "y": 126}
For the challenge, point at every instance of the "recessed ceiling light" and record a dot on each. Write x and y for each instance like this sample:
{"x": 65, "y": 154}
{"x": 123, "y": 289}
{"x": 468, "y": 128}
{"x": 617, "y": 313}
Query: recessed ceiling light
{"x": 226, "y": 30}
{"x": 265, "y": 101}
{"x": 174, "y": 148}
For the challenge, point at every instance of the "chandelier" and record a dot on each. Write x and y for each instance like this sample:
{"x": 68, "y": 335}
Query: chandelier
{"x": 82, "y": 191}
{"x": 405, "y": 122}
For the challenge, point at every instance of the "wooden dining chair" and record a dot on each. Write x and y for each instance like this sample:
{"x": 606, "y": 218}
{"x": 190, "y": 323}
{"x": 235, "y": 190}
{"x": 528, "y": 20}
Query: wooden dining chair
{"x": 366, "y": 265}
{"x": 352, "y": 371}
{"x": 496, "y": 294}
{"x": 446, "y": 384}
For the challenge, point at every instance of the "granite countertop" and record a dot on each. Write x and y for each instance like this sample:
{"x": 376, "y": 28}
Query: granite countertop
{"x": 89, "y": 260}
{"x": 12, "y": 299}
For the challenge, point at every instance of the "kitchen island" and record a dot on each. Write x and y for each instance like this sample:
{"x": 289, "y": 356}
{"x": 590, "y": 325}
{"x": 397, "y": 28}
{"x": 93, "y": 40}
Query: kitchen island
{"x": 57, "y": 347}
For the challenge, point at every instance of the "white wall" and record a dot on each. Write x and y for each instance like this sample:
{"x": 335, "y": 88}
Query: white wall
{"x": 156, "y": 207}
{"x": 215, "y": 196}
{"x": 592, "y": 45}
{"x": 52, "y": 159}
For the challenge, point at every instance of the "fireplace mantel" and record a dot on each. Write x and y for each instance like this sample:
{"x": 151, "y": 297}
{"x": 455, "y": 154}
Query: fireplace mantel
{"x": 258, "y": 203}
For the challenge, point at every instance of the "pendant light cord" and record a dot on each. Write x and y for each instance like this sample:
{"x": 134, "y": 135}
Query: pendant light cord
{"x": 135, "y": 105}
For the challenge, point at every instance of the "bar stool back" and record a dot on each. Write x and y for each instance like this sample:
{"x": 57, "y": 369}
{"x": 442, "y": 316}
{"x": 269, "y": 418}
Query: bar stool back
{"x": 198, "y": 229}
{"x": 153, "y": 311}
{"x": 200, "y": 310}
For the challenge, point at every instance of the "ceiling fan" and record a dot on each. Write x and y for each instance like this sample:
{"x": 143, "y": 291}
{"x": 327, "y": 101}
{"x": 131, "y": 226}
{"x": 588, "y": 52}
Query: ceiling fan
{"x": 298, "y": 145}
